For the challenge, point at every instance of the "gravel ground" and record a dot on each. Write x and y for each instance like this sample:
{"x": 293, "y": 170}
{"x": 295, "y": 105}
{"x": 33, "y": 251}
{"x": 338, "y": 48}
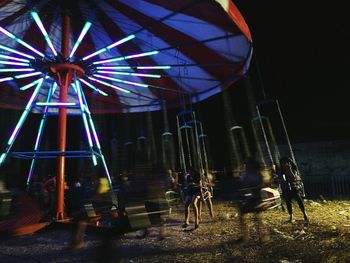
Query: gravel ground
{"x": 325, "y": 239}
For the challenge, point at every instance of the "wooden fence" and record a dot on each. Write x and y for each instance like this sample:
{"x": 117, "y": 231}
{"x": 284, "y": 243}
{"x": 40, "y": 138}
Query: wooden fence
{"x": 333, "y": 186}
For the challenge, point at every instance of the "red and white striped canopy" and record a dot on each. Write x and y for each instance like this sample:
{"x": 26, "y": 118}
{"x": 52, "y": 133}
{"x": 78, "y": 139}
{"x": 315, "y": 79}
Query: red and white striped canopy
{"x": 190, "y": 49}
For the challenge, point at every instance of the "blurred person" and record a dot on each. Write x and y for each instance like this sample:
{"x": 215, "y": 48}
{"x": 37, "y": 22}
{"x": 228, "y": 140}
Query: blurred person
{"x": 251, "y": 182}
{"x": 291, "y": 186}
{"x": 206, "y": 193}
{"x": 5, "y": 200}
{"x": 192, "y": 196}
{"x": 155, "y": 203}
{"x": 172, "y": 179}
{"x": 276, "y": 183}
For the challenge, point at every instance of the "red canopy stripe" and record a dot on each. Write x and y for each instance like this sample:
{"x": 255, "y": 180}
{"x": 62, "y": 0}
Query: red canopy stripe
{"x": 203, "y": 10}
{"x": 197, "y": 53}
{"x": 115, "y": 32}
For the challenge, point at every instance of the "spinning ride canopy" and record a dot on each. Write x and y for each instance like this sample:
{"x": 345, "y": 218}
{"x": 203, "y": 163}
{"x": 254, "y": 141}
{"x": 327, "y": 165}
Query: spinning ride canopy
{"x": 131, "y": 54}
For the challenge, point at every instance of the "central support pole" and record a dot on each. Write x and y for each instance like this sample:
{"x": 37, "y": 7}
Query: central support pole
{"x": 62, "y": 122}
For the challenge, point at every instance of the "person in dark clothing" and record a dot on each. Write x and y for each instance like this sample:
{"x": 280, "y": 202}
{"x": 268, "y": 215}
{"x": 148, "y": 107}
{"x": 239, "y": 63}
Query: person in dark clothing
{"x": 291, "y": 186}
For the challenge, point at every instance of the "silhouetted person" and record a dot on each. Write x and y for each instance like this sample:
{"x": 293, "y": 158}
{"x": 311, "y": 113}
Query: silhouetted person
{"x": 291, "y": 186}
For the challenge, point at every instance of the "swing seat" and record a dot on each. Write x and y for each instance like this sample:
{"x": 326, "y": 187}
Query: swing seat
{"x": 270, "y": 198}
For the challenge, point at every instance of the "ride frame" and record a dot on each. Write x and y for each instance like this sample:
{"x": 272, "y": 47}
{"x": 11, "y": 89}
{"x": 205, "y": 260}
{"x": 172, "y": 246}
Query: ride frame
{"x": 65, "y": 73}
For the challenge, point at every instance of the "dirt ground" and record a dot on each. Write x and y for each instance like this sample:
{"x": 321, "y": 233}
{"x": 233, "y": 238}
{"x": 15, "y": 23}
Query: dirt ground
{"x": 325, "y": 239}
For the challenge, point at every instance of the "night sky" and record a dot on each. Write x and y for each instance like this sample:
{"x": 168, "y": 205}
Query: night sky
{"x": 302, "y": 51}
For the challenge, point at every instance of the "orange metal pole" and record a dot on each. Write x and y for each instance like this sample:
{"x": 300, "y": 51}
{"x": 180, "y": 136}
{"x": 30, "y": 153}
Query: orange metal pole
{"x": 62, "y": 122}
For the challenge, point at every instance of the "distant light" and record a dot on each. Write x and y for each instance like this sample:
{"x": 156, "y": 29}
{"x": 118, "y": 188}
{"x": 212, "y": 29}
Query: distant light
{"x": 109, "y": 85}
{"x": 109, "y": 47}
{"x": 43, "y": 31}
{"x": 126, "y": 57}
{"x": 80, "y": 38}
{"x": 130, "y": 74}
{"x": 18, "y": 40}
{"x": 16, "y": 52}
{"x": 122, "y": 81}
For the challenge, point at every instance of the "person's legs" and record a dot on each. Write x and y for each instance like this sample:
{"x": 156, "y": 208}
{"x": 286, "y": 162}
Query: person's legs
{"x": 195, "y": 201}
{"x": 244, "y": 228}
{"x": 187, "y": 211}
{"x": 77, "y": 235}
{"x": 210, "y": 205}
{"x": 288, "y": 201}
{"x": 200, "y": 205}
{"x": 263, "y": 233}
{"x": 301, "y": 206}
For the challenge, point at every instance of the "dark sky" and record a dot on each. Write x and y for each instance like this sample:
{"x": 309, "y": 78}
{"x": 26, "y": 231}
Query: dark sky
{"x": 302, "y": 50}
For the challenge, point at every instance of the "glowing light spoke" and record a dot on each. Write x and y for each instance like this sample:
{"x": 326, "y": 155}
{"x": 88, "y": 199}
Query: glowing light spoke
{"x": 27, "y": 75}
{"x": 130, "y": 74}
{"x": 21, "y": 77}
{"x": 86, "y": 125}
{"x": 55, "y": 85}
{"x": 97, "y": 142}
{"x": 6, "y": 79}
{"x": 13, "y": 63}
{"x": 57, "y": 104}
{"x": 120, "y": 41}
{"x": 154, "y": 67}
{"x": 109, "y": 85}
{"x": 109, "y": 47}
{"x": 15, "y": 69}
{"x": 135, "y": 67}
{"x": 93, "y": 87}
{"x": 122, "y": 81}
{"x": 115, "y": 67}
{"x": 20, "y": 41}
{"x": 75, "y": 88}
{"x": 31, "y": 84}
{"x": 80, "y": 38}
{"x": 142, "y": 54}
{"x": 14, "y": 58}
{"x": 21, "y": 121}
{"x": 16, "y": 52}
{"x": 43, "y": 31}
{"x": 95, "y": 53}
{"x": 39, "y": 135}
{"x": 151, "y": 53}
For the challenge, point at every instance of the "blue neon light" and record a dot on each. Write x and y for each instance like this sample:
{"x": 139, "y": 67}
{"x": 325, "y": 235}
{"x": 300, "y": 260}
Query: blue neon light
{"x": 126, "y": 57}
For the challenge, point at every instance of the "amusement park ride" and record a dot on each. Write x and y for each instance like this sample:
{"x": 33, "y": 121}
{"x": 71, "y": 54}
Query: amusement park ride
{"x": 66, "y": 73}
